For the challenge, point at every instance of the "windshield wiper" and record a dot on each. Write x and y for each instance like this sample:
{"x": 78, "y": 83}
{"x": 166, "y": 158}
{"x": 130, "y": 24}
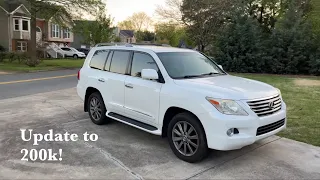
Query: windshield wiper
{"x": 209, "y": 74}
{"x": 200, "y": 75}
{"x": 192, "y": 76}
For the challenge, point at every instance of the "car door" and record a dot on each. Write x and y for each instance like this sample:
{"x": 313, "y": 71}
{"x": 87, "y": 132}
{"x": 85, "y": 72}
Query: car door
{"x": 142, "y": 96}
{"x": 69, "y": 52}
{"x": 113, "y": 80}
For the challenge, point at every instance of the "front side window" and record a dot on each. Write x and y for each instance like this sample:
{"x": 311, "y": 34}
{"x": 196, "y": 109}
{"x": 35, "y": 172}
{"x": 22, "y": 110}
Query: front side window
{"x": 142, "y": 61}
{"x": 22, "y": 46}
{"x": 119, "y": 62}
{"x": 25, "y": 25}
{"x": 55, "y": 31}
{"x": 16, "y": 25}
{"x": 181, "y": 65}
{"x": 98, "y": 59}
{"x": 66, "y": 49}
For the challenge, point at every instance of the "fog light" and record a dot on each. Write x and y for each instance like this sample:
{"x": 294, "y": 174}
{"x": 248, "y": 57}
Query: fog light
{"x": 232, "y": 131}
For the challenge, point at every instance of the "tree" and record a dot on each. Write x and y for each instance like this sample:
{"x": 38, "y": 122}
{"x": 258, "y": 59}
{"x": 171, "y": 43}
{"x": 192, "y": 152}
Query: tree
{"x": 145, "y": 36}
{"x": 171, "y": 33}
{"x": 97, "y": 31}
{"x": 58, "y": 11}
{"x": 292, "y": 45}
{"x": 315, "y": 18}
{"x": 204, "y": 19}
{"x": 138, "y": 22}
{"x": 171, "y": 11}
{"x": 240, "y": 45}
{"x": 126, "y": 25}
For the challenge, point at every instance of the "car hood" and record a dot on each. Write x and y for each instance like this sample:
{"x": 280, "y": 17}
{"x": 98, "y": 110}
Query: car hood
{"x": 230, "y": 87}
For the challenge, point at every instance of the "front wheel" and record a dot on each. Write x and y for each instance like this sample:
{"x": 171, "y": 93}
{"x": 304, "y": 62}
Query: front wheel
{"x": 75, "y": 56}
{"x": 187, "y": 138}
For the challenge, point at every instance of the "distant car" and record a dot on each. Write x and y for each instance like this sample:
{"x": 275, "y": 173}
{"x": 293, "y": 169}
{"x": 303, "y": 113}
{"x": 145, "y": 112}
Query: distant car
{"x": 71, "y": 52}
{"x": 84, "y": 50}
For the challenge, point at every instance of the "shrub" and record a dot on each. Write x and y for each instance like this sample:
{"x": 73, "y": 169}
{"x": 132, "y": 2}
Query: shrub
{"x": 2, "y": 49}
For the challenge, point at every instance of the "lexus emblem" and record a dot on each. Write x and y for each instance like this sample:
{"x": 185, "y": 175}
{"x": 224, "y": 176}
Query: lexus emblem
{"x": 271, "y": 105}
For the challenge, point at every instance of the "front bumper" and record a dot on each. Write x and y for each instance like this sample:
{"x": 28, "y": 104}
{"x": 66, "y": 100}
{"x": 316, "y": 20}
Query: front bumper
{"x": 216, "y": 125}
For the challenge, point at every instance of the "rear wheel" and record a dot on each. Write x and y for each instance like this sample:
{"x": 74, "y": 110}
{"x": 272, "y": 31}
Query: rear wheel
{"x": 187, "y": 138}
{"x": 96, "y": 109}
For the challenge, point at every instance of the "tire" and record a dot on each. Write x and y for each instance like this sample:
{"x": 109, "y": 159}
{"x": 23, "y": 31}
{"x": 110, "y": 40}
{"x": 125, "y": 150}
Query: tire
{"x": 187, "y": 141}
{"x": 75, "y": 56}
{"x": 96, "y": 109}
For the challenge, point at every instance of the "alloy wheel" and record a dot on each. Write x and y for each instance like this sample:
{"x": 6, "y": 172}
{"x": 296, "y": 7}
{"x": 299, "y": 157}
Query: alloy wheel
{"x": 185, "y": 138}
{"x": 95, "y": 109}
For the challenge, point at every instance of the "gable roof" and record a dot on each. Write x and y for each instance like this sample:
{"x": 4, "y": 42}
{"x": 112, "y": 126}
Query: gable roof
{"x": 127, "y": 33}
{"x": 12, "y": 6}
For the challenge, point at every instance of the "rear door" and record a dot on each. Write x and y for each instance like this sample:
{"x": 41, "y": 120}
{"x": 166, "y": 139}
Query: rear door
{"x": 142, "y": 97}
{"x": 113, "y": 79}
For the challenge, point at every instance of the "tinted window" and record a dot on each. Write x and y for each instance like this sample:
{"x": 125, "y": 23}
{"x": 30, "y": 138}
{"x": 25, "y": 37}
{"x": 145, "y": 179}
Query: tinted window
{"x": 142, "y": 61}
{"x": 188, "y": 65}
{"x": 98, "y": 59}
{"x": 119, "y": 62}
{"x": 107, "y": 66}
{"x": 65, "y": 49}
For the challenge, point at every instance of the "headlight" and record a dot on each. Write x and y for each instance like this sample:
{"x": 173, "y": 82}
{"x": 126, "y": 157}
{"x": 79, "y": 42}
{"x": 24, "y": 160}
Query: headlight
{"x": 228, "y": 107}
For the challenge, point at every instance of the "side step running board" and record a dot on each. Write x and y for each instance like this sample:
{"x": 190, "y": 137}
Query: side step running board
{"x": 133, "y": 122}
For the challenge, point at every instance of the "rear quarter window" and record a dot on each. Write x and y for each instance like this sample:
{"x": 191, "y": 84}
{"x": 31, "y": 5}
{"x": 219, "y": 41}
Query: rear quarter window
{"x": 98, "y": 59}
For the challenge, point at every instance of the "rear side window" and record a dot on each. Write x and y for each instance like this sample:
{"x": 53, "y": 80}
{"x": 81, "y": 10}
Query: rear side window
{"x": 119, "y": 62}
{"x": 142, "y": 61}
{"x": 98, "y": 59}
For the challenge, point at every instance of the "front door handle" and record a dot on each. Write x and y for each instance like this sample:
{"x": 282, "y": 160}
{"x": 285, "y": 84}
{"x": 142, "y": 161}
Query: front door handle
{"x": 129, "y": 86}
{"x": 101, "y": 80}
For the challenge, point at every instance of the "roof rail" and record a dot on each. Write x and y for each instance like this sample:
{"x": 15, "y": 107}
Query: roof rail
{"x": 128, "y": 45}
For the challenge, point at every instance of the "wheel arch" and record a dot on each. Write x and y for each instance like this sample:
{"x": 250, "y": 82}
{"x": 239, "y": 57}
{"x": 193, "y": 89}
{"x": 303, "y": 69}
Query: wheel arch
{"x": 170, "y": 113}
{"x": 89, "y": 91}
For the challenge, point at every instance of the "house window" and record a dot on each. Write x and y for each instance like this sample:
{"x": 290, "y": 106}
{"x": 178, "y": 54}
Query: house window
{"x": 25, "y": 25}
{"x": 66, "y": 33}
{"x": 55, "y": 31}
{"x": 16, "y": 25}
{"x": 22, "y": 46}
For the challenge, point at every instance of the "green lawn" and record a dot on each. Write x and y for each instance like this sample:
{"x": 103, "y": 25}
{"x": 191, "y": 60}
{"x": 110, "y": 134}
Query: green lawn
{"x": 48, "y": 64}
{"x": 303, "y": 102}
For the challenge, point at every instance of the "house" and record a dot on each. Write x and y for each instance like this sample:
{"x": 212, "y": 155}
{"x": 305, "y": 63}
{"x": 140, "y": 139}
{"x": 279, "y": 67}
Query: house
{"x": 126, "y": 36}
{"x": 15, "y": 26}
{"x": 15, "y": 31}
{"x": 78, "y": 39}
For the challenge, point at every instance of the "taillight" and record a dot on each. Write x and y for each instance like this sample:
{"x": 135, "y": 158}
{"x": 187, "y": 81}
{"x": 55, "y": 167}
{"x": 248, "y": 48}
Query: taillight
{"x": 79, "y": 74}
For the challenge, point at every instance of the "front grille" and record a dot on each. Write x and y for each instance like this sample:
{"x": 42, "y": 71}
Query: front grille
{"x": 270, "y": 127}
{"x": 265, "y": 107}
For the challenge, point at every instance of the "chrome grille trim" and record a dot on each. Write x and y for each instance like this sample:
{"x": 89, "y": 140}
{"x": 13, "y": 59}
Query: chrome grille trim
{"x": 262, "y": 106}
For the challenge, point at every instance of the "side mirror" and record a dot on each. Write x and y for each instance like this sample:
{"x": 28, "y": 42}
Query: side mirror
{"x": 149, "y": 74}
{"x": 220, "y": 67}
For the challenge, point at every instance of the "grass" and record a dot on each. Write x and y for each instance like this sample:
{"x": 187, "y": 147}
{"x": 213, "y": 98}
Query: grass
{"x": 303, "y": 103}
{"x": 45, "y": 65}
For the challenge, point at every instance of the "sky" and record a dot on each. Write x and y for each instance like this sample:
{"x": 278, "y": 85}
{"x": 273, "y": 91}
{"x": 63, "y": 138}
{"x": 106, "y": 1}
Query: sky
{"x": 121, "y": 9}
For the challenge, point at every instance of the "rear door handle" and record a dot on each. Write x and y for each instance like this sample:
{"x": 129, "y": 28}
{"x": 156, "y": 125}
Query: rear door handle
{"x": 101, "y": 80}
{"x": 129, "y": 86}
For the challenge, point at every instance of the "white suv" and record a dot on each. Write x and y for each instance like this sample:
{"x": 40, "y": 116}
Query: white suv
{"x": 180, "y": 94}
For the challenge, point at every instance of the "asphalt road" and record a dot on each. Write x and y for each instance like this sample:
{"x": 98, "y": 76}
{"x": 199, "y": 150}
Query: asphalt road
{"x": 22, "y": 84}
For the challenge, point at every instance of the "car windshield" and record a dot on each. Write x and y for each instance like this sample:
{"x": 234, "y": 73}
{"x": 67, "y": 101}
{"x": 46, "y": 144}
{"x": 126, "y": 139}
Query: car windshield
{"x": 181, "y": 65}
{"x": 74, "y": 50}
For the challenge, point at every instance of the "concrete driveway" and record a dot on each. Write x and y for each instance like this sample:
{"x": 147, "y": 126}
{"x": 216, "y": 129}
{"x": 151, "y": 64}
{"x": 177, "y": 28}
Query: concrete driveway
{"x": 122, "y": 152}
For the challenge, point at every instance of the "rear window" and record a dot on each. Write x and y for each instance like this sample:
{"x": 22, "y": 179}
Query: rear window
{"x": 119, "y": 62}
{"x": 98, "y": 59}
